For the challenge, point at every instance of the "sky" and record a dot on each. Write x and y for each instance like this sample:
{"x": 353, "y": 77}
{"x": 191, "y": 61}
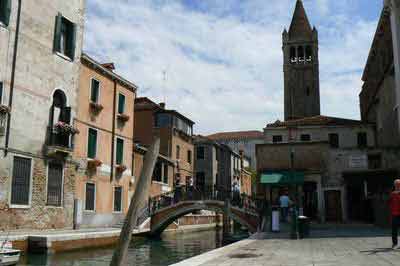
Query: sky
{"x": 223, "y": 60}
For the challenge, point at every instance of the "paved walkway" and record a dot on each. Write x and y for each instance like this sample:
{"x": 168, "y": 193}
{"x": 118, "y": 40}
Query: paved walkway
{"x": 350, "y": 246}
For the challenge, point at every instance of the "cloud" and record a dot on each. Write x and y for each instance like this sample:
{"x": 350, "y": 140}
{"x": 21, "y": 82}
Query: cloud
{"x": 223, "y": 58}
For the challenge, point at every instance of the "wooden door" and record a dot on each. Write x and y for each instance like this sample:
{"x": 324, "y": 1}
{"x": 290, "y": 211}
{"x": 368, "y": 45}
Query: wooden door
{"x": 333, "y": 206}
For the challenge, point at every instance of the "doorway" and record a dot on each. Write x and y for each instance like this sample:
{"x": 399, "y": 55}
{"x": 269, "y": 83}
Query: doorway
{"x": 310, "y": 200}
{"x": 333, "y": 205}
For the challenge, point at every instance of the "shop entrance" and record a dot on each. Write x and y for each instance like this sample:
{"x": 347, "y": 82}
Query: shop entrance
{"x": 333, "y": 205}
{"x": 310, "y": 201}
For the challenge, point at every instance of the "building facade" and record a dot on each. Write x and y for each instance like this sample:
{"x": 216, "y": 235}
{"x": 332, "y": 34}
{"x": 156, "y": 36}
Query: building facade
{"x": 176, "y": 136}
{"x": 38, "y": 91}
{"x": 241, "y": 141}
{"x": 206, "y": 163}
{"x": 103, "y": 149}
{"x": 332, "y": 156}
{"x": 301, "y": 67}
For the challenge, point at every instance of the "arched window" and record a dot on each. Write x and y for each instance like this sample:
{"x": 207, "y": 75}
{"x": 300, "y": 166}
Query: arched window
{"x": 59, "y": 111}
{"x": 300, "y": 54}
{"x": 293, "y": 57}
{"x": 308, "y": 54}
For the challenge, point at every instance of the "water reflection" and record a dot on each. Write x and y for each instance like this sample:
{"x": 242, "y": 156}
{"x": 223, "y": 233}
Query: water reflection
{"x": 170, "y": 249}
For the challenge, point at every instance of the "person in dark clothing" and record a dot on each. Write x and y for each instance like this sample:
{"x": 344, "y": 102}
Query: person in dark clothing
{"x": 394, "y": 203}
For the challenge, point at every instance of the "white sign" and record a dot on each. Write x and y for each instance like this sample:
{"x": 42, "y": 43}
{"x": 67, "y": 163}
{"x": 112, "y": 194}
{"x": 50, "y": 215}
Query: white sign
{"x": 358, "y": 161}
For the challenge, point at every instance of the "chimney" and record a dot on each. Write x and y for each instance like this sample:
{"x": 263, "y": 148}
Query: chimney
{"x": 109, "y": 66}
{"x": 162, "y": 105}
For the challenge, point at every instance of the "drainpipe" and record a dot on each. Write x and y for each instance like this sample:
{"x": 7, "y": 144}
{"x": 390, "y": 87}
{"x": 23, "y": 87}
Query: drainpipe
{"x": 12, "y": 82}
{"x": 113, "y": 131}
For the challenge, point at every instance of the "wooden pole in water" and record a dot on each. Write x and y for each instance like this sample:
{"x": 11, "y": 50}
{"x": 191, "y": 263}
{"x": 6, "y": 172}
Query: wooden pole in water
{"x": 138, "y": 199}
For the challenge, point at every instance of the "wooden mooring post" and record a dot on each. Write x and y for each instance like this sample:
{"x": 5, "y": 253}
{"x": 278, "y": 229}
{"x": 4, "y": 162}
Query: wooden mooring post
{"x": 138, "y": 200}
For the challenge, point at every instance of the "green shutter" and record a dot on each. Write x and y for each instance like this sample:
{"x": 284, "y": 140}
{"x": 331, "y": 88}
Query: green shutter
{"x": 1, "y": 92}
{"x": 57, "y": 33}
{"x": 121, "y": 103}
{"x": 71, "y": 40}
{"x": 5, "y": 11}
{"x": 92, "y": 144}
{"x": 120, "y": 151}
{"x": 94, "y": 93}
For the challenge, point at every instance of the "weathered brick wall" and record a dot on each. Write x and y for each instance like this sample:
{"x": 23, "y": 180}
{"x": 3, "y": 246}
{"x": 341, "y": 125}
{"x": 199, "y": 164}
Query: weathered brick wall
{"x": 40, "y": 216}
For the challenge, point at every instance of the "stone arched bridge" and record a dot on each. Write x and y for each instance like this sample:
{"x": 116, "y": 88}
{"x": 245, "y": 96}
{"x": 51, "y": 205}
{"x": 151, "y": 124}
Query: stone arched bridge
{"x": 167, "y": 208}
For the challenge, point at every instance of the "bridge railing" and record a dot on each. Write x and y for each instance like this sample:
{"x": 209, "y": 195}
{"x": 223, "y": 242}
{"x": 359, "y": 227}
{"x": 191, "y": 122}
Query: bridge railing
{"x": 185, "y": 193}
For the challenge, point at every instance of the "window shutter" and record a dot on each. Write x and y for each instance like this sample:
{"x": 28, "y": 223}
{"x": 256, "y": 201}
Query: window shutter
{"x": 121, "y": 103}
{"x": 90, "y": 196}
{"x": 57, "y": 33}
{"x": 5, "y": 12}
{"x": 54, "y": 184}
{"x": 92, "y": 143}
{"x": 94, "y": 93}
{"x": 1, "y": 92}
{"x": 120, "y": 151}
{"x": 21, "y": 181}
{"x": 72, "y": 40}
{"x": 118, "y": 199}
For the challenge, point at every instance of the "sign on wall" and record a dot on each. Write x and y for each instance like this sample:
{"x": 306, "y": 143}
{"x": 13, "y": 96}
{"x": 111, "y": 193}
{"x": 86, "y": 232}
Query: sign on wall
{"x": 358, "y": 161}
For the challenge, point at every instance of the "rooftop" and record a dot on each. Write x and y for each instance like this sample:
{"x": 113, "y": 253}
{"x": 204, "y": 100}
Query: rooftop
{"x": 252, "y": 134}
{"x": 318, "y": 120}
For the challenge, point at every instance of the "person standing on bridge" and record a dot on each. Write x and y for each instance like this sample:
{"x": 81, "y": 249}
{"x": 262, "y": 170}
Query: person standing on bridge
{"x": 394, "y": 203}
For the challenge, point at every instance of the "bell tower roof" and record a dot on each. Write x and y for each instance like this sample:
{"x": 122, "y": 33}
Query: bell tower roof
{"x": 300, "y": 27}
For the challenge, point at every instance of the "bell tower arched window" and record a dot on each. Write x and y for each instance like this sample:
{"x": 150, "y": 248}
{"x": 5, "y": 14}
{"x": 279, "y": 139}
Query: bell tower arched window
{"x": 293, "y": 55}
{"x": 301, "y": 54}
{"x": 308, "y": 54}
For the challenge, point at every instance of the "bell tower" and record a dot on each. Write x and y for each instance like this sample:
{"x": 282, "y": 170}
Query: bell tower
{"x": 301, "y": 67}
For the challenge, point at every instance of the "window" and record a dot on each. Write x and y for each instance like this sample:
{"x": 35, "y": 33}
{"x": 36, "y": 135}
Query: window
{"x": 277, "y": 138}
{"x": 94, "y": 91}
{"x": 305, "y": 137}
{"x": 165, "y": 174}
{"x": 157, "y": 174}
{"x": 189, "y": 156}
{"x": 163, "y": 120}
{"x": 120, "y": 151}
{"x": 1, "y": 92}
{"x": 118, "y": 199}
{"x": 121, "y": 103}
{"x": 21, "y": 179}
{"x": 92, "y": 144}
{"x": 308, "y": 91}
{"x": 334, "y": 140}
{"x": 200, "y": 153}
{"x": 200, "y": 181}
{"x": 374, "y": 161}
{"x": 178, "y": 151}
{"x": 5, "y": 11}
{"x": 54, "y": 184}
{"x": 65, "y": 37}
{"x": 362, "y": 139}
{"x": 90, "y": 197}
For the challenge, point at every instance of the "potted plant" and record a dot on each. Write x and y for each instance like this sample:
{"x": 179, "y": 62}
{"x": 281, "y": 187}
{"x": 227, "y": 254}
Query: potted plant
{"x": 93, "y": 164}
{"x": 123, "y": 117}
{"x": 95, "y": 107}
{"x": 120, "y": 168}
{"x": 4, "y": 109}
{"x": 64, "y": 128}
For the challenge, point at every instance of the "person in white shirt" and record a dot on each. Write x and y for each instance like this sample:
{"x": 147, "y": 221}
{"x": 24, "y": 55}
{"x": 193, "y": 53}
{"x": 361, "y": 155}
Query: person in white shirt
{"x": 284, "y": 202}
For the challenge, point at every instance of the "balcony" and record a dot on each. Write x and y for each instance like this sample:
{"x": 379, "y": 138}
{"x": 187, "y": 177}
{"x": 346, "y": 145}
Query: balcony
{"x": 59, "y": 141}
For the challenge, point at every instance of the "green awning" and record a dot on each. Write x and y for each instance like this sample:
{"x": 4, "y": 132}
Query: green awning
{"x": 282, "y": 178}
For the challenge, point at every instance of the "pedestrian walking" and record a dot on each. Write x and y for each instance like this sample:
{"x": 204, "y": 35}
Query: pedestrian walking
{"x": 394, "y": 203}
{"x": 284, "y": 203}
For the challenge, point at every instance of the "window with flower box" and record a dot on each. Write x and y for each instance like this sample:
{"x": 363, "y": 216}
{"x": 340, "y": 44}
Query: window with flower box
{"x": 92, "y": 143}
{"x": 121, "y": 103}
{"x": 94, "y": 91}
{"x": 120, "y": 151}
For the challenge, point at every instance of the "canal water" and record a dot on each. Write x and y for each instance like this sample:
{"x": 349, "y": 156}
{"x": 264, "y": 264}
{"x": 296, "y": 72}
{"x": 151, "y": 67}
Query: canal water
{"x": 170, "y": 249}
